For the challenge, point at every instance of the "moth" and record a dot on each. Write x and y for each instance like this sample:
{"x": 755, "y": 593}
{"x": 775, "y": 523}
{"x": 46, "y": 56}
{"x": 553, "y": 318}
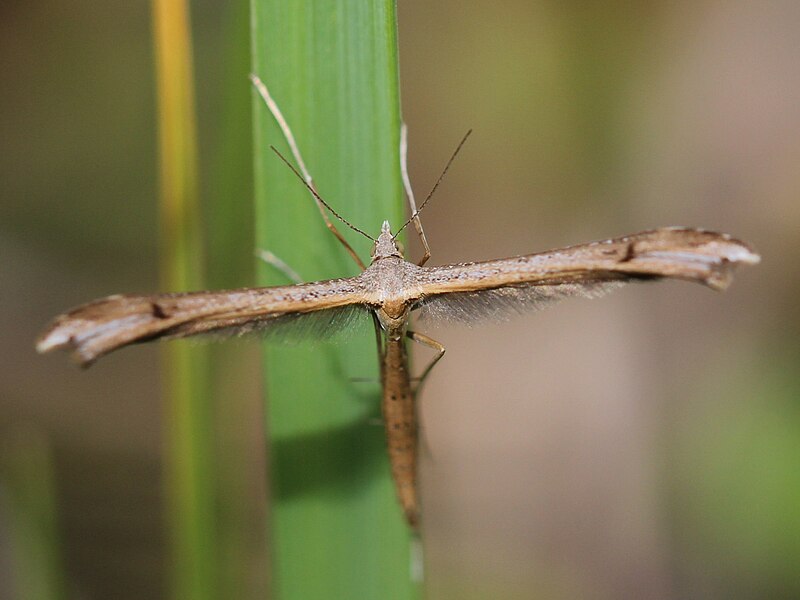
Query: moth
{"x": 389, "y": 289}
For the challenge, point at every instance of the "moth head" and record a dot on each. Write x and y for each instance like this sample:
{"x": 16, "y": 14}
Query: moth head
{"x": 386, "y": 246}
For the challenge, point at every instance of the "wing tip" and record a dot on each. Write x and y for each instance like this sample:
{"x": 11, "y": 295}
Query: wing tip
{"x": 724, "y": 244}
{"x": 744, "y": 254}
{"x": 711, "y": 256}
{"x": 55, "y": 339}
{"x": 64, "y": 333}
{"x": 52, "y": 339}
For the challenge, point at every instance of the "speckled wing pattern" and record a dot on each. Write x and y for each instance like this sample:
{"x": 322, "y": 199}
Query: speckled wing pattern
{"x": 94, "y": 329}
{"x": 493, "y": 289}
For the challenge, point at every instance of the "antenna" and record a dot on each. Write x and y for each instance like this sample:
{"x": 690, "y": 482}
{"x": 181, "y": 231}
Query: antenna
{"x": 436, "y": 185}
{"x": 319, "y": 198}
{"x": 289, "y": 136}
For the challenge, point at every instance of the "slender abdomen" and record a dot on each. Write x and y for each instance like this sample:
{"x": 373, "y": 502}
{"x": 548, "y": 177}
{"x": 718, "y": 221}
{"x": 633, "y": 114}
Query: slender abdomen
{"x": 400, "y": 420}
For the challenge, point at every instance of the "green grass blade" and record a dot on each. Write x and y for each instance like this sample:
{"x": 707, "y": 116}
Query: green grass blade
{"x": 189, "y": 480}
{"x": 337, "y": 530}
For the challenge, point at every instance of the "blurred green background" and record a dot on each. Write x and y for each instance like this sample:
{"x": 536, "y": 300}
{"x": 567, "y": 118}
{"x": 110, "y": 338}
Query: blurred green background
{"x": 642, "y": 445}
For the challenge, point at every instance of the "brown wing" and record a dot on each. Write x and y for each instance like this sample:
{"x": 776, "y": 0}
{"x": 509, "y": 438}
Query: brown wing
{"x": 96, "y": 328}
{"x": 493, "y": 288}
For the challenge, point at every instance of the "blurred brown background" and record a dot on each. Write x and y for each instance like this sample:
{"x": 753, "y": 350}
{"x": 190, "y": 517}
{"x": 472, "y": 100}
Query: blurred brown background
{"x": 643, "y": 445}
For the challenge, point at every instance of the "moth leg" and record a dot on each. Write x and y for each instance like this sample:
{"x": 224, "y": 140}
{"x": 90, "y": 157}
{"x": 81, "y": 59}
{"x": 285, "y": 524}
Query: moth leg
{"x": 277, "y": 264}
{"x": 287, "y": 133}
{"x": 410, "y": 194}
{"x": 430, "y": 343}
{"x": 381, "y": 353}
{"x": 379, "y": 340}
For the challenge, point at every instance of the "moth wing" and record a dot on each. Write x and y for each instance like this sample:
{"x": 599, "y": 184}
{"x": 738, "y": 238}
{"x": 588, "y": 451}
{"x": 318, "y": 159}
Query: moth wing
{"x": 495, "y": 289}
{"x": 97, "y": 328}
